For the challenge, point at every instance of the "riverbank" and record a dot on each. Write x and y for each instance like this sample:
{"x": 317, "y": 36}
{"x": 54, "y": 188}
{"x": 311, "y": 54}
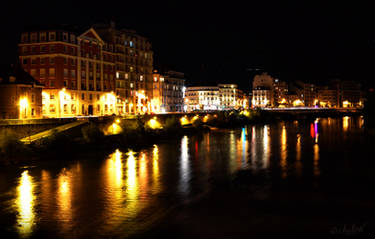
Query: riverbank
{"x": 134, "y": 134}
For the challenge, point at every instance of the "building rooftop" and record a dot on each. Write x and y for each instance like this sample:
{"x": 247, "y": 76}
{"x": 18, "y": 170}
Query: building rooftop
{"x": 14, "y": 74}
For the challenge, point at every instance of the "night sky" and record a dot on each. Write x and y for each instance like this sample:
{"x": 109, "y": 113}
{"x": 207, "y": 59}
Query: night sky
{"x": 224, "y": 42}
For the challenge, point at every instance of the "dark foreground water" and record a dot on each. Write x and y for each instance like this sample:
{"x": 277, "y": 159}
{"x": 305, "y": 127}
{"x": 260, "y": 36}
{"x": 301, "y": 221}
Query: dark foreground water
{"x": 125, "y": 192}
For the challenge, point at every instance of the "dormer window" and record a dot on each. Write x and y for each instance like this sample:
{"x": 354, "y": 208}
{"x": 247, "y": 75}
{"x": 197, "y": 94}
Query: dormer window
{"x": 24, "y": 38}
{"x": 33, "y": 37}
{"x": 52, "y": 36}
{"x": 72, "y": 38}
{"x": 42, "y": 37}
{"x": 65, "y": 36}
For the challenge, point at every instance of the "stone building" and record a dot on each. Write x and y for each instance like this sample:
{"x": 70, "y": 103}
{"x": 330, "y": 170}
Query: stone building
{"x": 20, "y": 94}
{"x": 77, "y": 69}
{"x": 168, "y": 92}
{"x": 202, "y": 98}
{"x": 133, "y": 66}
{"x": 263, "y": 95}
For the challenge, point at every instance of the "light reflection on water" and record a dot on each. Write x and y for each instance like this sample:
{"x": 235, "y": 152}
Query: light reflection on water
{"x": 126, "y": 185}
{"x": 283, "y": 153}
{"x": 25, "y": 203}
{"x": 64, "y": 200}
{"x": 184, "y": 185}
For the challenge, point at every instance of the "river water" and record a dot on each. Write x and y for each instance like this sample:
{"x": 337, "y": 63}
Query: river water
{"x": 123, "y": 193}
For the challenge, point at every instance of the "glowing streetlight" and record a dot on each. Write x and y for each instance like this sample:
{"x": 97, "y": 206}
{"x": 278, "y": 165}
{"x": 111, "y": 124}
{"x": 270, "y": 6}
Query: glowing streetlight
{"x": 24, "y": 104}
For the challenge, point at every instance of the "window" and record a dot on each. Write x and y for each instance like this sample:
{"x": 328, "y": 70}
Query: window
{"x": 51, "y": 48}
{"x": 52, "y": 108}
{"x": 83, "y": 74}
{"x": 52, "y": 97}
{"x": 131, "y": 85}
{"x": 42, "y": 37}
{"x": 131, "y": 69}
{"x": 25, "y": 61}
{"x": 33, "y": 72}
{"x": 33, "y": 37}
{"x": 42, "y": 61}
{"x": 24, "y": 49}
{"x": 97, "y": 97}
{"x": 51, "y": 72}
{"x": 90, "y": 96}
{"x": 65, "y": 36}
{"x": 65, "y": 49}
{"x": 83, "y": 96}
{"x": 126, "y": 75}
{"x": 131, "y": 44}
{"x": 66, "y": 73}
{"x": 73, "y": 73}
{"x": 65, "y": 83}
{"x": 52, "y": 83}
{"x": 42, "y": 73}
{"x": 72, "y": 62}
{"x": 52, "y": 36}
{"x": 33, "y": 49}
{"x": 51, "y": 60}
{"x": 24, "y": 37}
{"x": 141, "y": 77}
{"x": 65, "y": 61}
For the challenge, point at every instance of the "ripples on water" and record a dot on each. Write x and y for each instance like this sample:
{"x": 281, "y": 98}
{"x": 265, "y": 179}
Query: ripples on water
{"x": 124, "y": 192}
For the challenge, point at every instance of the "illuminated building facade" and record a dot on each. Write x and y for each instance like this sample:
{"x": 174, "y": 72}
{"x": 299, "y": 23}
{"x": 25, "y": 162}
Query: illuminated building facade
{"x": 221, "y": 97}
{"x": 202, "y": 98}
{"x": 77, "y": 69}
{"x": 20, "y": 95}
{"x": 168, "y": 92}
{"x": 308, "y": 94}
{"x": 280, "y": 92}
{"x": 328, "y": 97}
{"x": 230, "y": 96}
{"x": 133, "y": 67}
{"x": 263, "y": 95}
{"x": 351, "y": 95}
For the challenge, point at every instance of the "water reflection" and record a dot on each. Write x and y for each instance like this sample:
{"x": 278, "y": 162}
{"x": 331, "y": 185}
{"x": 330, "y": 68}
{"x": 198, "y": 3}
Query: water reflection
{"x": 345, "y": 123}
{"x": 25, "y": 203}
{"x": 266, "y": 146}
{"x": 113, "y": 184}
{"x": 131, "y": 184}
{"x": 242, "y": 146}
{"x": 122, "y": 191}
{"x": 64, "y": 197}
{"x": 298, "y": 156}
{"x": 316, "y": 132}
{"x": 184, "y": 186}
{"x": 232, "y": 152}
{"x": 155, "y": 169}
{"x": 283, "y": 153}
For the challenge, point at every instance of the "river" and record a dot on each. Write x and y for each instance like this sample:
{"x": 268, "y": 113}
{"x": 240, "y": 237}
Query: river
{"x": 123, "y": 193}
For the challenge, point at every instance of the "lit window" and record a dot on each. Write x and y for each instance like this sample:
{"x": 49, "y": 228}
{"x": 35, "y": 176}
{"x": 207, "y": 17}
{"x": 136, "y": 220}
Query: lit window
{"x": 131, "y": 43}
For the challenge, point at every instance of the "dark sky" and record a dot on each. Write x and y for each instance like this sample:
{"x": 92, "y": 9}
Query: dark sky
{"x": 221, "y": 42}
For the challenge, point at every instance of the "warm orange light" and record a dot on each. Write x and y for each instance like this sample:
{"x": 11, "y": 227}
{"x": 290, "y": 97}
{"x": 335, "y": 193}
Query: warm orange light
{"x": 154, "y": 124}
{"x": 346, "y": 104}
{"x": 297, "y": 102}
{"x": 184, "y": 120}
